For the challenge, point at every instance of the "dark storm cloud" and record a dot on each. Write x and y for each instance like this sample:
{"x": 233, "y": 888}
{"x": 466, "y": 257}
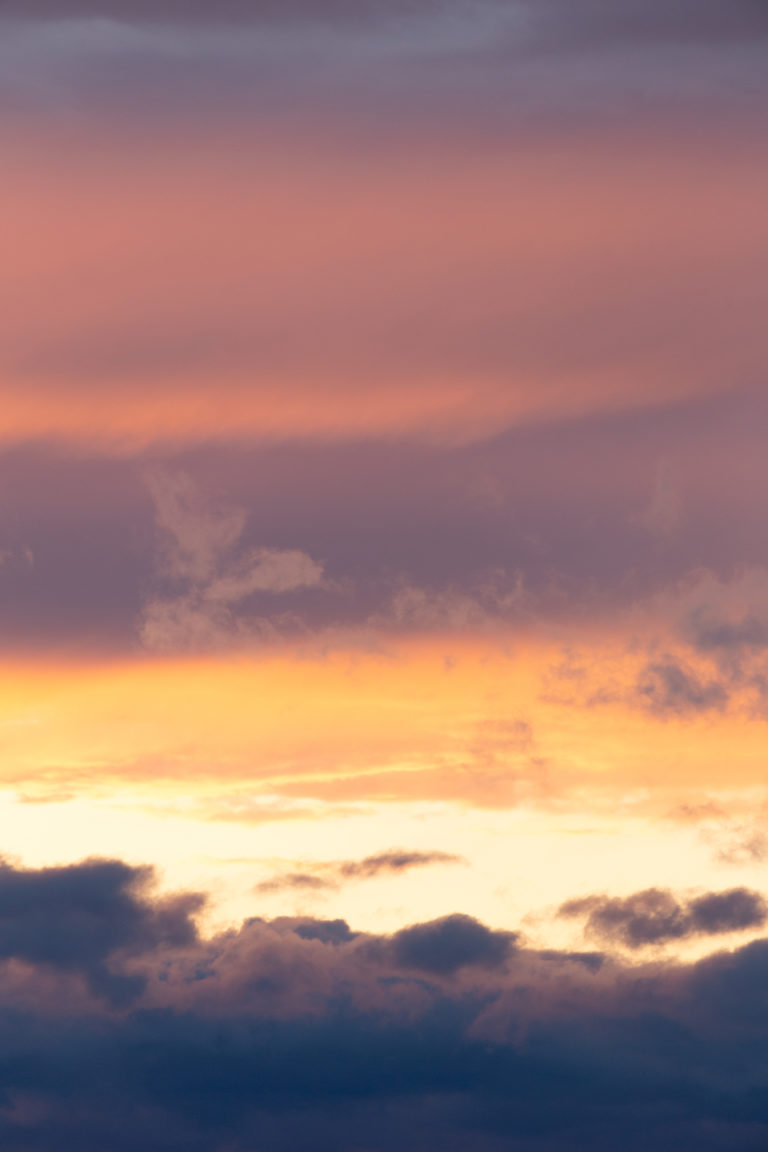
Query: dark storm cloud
{"x": 326, "y": 931}
{"x": 331, "y": 875}
{"x": 732, "y": 911}
{"x": 447, "y": 945}
{"x": 303, "y": 1035}
{"x": 78, "y": 917}
{"x": 657, "y": 917}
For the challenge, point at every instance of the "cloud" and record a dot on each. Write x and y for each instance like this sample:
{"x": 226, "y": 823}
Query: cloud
{"x": 494, "y": 596}
{"x": 735, "y": 838}
{"x": 78, "y": 917}
{"x": 266, "y": 570}
{"x": 394, "y": 861}
{"x": 722, "y": 622}
{"x": 326, "y": 876}
{"x": 738, "y": 842}
{"x": 299, "y": 1035}
{"x": 431, "y": 54}
{"x": 212, "y": 572}
{"x": 656, "y": 917}
{"x": 696, "y": 813}
{"x": 334, "y": 932}
{"x": 193, "y": 537}
{"x": 749, "y": 632}
{"x": 588, "y": 23}
{"x": 185, "y": 12}
{"x": 189, "y": 624}
{"x": 721, "y": 618}
{"x": 635, "y": 674}
{"x": 376, "y": 517}
{"x": 294, "y": 881}
{"x": 667, "y": 688}
{"x": 557, "y": 22}
{"x": 732, "y": 911}
{"x": 447, "y": 945}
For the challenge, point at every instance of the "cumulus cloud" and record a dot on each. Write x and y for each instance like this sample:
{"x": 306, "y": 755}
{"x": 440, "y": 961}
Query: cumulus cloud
{"x": 655, "y": 916}
{"x": 79, "y": 917}
{"x": 447, "y": 945}
{"x": 304, "y": 1034}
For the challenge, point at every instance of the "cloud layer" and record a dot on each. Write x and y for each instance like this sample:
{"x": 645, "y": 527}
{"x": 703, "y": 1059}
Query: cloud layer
{"x": 516, "y": 62}
{"x": 304, "y": 1034}
{"x": 382, "y": 461}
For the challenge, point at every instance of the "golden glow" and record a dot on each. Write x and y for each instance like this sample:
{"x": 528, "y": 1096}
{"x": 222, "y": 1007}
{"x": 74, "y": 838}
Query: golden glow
{"x": 431, "y": 719}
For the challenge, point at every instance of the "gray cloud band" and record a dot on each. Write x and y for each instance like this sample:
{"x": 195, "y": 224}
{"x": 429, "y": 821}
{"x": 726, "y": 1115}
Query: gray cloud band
{"x": 431, "y": 54}
{"x": 559, "y": 21}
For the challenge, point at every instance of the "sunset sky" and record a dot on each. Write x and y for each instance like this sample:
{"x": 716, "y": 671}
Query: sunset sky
{"x": 383, "y": 575}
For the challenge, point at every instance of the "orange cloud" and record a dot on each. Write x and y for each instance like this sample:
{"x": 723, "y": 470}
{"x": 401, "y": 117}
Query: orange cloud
{"x": 484, "y": 728}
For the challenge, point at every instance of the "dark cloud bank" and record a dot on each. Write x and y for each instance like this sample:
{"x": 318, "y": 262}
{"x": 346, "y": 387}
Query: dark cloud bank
{"x": 121, "y": 1028}
{"x": 177, "y": 49}
{"x": 561, "y": 21}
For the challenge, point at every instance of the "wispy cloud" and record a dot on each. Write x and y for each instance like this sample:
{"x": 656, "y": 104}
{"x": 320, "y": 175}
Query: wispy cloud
{"x": 212, "y": 572}
{"x": 332, "y": 875}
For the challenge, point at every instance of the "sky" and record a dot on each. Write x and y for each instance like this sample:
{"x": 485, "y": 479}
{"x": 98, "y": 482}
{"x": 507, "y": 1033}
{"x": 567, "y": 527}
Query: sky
{"x": 383, "y": 575}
